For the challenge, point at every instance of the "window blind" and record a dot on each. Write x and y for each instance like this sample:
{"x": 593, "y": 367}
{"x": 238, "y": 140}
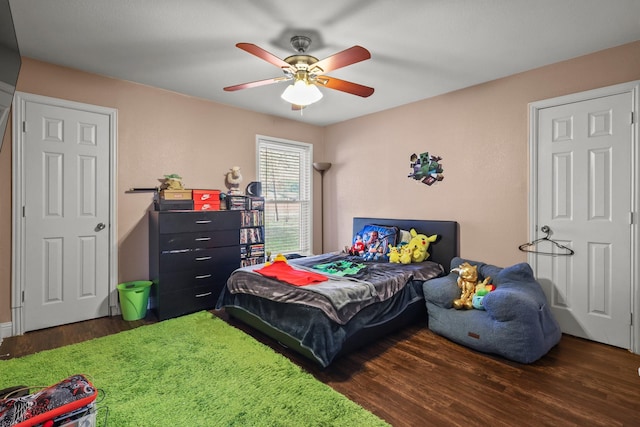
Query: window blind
{"x": 284, "y": 169}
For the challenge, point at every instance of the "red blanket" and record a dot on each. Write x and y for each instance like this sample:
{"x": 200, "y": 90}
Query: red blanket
{"x": 284, "y": 272}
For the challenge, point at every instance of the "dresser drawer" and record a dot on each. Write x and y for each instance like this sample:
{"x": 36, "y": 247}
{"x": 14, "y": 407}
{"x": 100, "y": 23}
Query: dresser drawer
{"x": 187, "y": 301}
{"x": 191, "y": 256}
{"x": 186, "y": 279}
{"x": 204, "y": 239}
{"x": 197, "y": 221}
{"x": 200, "y": 260}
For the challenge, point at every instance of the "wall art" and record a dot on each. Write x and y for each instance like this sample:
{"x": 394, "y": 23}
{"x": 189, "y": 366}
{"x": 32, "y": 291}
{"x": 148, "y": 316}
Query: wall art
{"x": 426, "y": 168}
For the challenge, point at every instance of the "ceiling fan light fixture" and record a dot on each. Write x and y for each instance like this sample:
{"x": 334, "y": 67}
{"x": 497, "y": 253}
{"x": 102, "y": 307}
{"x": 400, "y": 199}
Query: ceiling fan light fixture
{"x": 300, "y": 43}
{"x": 302, "y": 93}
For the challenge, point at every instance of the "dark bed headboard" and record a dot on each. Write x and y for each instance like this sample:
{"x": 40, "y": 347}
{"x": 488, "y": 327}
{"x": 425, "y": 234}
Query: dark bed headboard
{"x": 442, "y": 250}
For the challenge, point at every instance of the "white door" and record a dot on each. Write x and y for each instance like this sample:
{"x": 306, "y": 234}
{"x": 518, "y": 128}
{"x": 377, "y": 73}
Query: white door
{"x": 584, "y": 195}
{"x": 66, "y": 215}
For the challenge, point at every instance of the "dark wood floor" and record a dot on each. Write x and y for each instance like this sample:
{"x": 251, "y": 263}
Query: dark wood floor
{"x": 416, "y": 378}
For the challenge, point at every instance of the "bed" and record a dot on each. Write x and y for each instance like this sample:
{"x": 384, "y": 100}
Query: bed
{"x": 321, "y": 326}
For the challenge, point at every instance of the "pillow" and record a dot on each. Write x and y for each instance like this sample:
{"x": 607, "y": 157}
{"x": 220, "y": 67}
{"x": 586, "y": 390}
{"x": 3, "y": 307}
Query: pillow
{"x": 376, "y": 239}
{"x": 404, "y": 237}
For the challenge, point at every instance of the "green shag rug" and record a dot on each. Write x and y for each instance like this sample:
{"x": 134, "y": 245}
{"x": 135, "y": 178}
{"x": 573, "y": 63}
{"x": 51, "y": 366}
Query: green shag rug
{"x": 195, "y": 370}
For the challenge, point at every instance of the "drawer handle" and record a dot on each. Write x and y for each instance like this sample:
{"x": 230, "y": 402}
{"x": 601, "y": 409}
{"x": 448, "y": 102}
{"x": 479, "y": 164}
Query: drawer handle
{"x": 203, "y": 258}
{"x": 203, "y": 221}
{"x": 204, "y": 276}
{"x": 206, "y": 294}
{"x": 203, "y": 239}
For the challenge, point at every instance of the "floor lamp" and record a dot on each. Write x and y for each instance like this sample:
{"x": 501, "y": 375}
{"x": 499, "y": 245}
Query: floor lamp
{"x": 322, "y": 167}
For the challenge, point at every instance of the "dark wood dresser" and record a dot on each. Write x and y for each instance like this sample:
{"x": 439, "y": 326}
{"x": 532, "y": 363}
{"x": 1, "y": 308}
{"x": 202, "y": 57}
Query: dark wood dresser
{"x": 191, "y": 255}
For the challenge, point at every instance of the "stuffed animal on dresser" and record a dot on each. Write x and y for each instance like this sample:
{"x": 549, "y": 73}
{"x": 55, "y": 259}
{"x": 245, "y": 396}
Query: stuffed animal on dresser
{"x": 233, "y": 179}
{"x": 172, "y": 182}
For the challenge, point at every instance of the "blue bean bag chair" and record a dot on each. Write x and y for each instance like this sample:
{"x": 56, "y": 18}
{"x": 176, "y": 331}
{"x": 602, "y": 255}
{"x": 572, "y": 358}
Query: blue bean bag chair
{"x": 516, "y": 323}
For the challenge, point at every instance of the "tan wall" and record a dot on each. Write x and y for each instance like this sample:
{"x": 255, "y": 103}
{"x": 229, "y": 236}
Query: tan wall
{"x": 481, "y": 132}
{"x": 482, "y": 135}
{"x": 159, "y": 132}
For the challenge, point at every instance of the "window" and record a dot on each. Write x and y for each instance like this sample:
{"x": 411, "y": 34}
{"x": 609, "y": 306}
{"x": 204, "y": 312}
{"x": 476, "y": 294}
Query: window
{"x": 284, "y": 169}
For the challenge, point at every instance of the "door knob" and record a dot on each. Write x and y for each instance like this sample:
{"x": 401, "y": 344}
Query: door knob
{"x": 100, "y": 226}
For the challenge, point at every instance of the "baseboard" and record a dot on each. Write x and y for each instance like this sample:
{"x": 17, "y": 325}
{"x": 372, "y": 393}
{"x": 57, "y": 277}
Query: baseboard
{"x": 115, "y": 310}
{"x": 6, "y": 330}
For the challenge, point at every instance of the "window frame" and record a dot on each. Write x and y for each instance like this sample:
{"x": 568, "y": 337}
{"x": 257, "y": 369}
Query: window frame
{"x": 306, "y": 173}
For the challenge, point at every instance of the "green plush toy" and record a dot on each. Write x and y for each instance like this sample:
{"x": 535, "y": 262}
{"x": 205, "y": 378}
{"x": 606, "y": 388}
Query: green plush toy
{"x": 482, "y": 289}
{"x": 419, "y": 244}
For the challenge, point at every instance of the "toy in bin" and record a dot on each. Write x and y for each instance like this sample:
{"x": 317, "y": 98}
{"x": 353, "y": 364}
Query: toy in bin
{"x": 71, "y": 402}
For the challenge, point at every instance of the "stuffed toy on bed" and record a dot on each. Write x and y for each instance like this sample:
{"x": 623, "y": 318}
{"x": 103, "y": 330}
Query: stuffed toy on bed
{"x": 419, "y": 244}
{"x": 405, "y": 254}
{"x": 358, "y": 247}
{"x": 394, "y": 254}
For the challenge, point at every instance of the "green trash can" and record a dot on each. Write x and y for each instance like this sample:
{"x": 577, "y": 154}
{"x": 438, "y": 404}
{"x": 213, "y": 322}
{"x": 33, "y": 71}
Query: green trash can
{"x": 134, "y": 298}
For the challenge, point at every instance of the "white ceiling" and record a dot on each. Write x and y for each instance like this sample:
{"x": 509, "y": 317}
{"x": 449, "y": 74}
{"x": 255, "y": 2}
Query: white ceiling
{"x": 419, "y": 48}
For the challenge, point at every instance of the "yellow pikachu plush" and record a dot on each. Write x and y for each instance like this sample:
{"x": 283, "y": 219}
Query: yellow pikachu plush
{"x": 394, "y": 254}
{"x": 419, "y": 244}
{"x": 405, "y": 254}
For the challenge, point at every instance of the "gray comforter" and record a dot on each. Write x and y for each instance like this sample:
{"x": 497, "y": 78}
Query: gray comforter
{"x": 342, "y": 296}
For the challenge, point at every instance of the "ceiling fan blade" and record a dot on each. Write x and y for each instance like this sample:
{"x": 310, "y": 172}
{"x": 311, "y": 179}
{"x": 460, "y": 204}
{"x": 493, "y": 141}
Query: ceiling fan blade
{"x": 263, "y": 54}
{"x": 344, "y": 86}
{"x": 295, "y": 107}
{"x": 342, "y": 59}
{"x": 255, "y": 84}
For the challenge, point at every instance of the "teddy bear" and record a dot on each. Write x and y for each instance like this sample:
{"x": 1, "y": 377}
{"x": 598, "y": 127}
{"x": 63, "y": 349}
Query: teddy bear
{"x": 467, "y": 282}
{"x": 419, "y": 244}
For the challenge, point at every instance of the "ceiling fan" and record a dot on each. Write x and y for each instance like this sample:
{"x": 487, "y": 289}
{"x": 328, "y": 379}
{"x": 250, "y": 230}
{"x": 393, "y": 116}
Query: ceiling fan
{"x": 307, "y": 72}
